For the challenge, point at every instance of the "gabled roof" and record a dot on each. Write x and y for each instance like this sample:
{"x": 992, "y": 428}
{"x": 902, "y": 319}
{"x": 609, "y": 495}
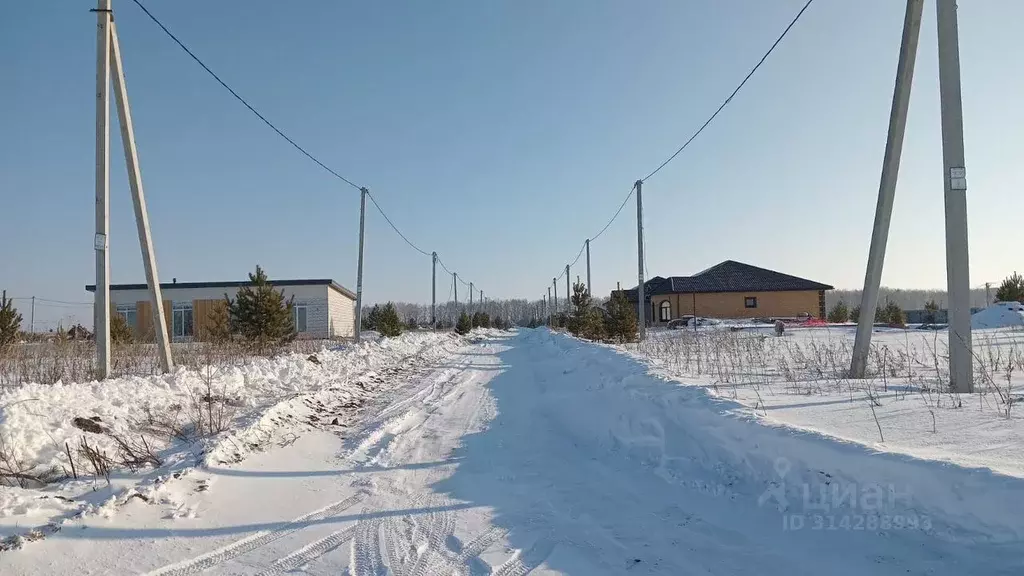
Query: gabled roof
{"x": 232, "y": 284}
{"x": 728, "y": 276}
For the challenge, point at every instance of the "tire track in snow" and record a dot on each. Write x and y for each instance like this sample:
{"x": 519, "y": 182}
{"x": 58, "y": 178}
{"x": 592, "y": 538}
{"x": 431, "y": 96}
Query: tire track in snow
{"x": 366, "y": 558}
{"x": 255, "y": 541}
{"x": 310, "y": 552}
{"x": 524, "y": 562}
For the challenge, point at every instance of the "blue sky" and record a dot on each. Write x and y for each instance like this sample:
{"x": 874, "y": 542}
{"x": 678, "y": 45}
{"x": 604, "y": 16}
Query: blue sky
{"x": 502, "y": 134}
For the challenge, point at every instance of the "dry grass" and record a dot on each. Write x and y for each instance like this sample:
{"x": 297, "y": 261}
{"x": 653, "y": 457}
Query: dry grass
{"x": 819, "y": 364}
{"x": 74, "y": 360}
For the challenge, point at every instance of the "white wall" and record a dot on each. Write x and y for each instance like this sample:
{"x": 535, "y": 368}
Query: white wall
{"x": 313, "y": 297}
{"x": 342, "y": 314}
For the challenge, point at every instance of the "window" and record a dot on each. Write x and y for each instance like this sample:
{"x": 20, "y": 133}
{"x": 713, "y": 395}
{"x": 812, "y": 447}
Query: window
{"x": 181, "y": 322}
{"x": 299, "y": 311}
{"x": 665, "y": 311}
{"x": 129, "y": 315}
{"x": 750, "y": 302}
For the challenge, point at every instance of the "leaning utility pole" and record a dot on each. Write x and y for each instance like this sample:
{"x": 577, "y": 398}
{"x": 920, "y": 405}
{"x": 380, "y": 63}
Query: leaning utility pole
{"x": 359, "y": 266}
{"x": 641, "y": 291}
{"x": 433, "y": 291}
{"x": 955, "y": 188}
{"x": 589, "y": 289}
{"x": 131, "y": 156}
{"x": 887, "y": 186}
{"x": 101, "y": 304}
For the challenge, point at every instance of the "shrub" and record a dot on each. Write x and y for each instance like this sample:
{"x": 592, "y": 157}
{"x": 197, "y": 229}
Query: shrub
{"x": 120, "y": 331}
{"x": 931, "y": 311}
{"x": 10, "y": 322}
{"x": 855, "y": 314}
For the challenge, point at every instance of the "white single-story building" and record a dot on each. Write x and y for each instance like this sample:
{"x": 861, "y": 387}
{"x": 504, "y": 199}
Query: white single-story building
{"x": 322, "y": 308}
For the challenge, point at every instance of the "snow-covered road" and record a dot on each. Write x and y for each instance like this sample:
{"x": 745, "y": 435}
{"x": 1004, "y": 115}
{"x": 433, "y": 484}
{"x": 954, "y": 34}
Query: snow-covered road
{"x": 535, "y": 453}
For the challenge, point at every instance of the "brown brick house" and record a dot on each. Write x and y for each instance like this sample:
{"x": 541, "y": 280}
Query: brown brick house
{"x": 732, "y": 290}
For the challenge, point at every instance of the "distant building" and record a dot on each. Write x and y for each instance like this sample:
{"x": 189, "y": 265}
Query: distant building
{"x": 731, "y": 290}
{"x": 322, "y": 308}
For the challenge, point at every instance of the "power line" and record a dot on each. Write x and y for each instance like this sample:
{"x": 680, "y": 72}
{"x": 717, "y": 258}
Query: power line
{"x": 734, "y": 92}
{"x": 395, "y": 228}
{"x": 621, "y": 206}
{"x": 242, "y": 100}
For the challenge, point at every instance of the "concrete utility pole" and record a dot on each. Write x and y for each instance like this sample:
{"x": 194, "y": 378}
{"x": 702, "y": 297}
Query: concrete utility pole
{"x": 455, "y": 284}
{"x": 433, "y": 291}
{"x": 568, "y": 292}
{"x": 887, "y": 185}
{"x": 32, "y": 322}
{"x": 545, "y": 311}
{"x": 955, "y": 187}
{"x": 554, "y": 282}
{"x": 101, "y": 304}
{"x": 547, "y": 306}
{"x": 589, "y": 289}
{"x": 131, "y": 157}
{"x": 641, "y": 290}
{"x": 470, "y": 296}
{"x": 359, "y": 266}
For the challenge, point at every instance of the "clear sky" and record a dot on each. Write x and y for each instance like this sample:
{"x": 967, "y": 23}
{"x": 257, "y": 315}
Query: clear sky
{"x": 501, "y": 134}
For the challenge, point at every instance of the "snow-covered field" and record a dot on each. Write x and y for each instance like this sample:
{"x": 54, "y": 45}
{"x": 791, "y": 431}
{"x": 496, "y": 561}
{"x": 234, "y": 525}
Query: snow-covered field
{"x": 800, "y": 380}
{"x": 533, "y": 452}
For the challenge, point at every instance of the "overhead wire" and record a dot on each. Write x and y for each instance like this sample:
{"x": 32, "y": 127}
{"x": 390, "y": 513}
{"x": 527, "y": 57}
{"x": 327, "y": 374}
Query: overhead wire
{"x": 395, "y": 228}
{"x": 734, "y": 92}
{"x": 702, "y": 127}
{"x": 272, "y": 126}
{"x": 242, "y": 100}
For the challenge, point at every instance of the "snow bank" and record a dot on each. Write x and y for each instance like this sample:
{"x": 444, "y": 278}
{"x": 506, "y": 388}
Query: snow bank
{"x": 717, "y": 446}
{"x": 37, "y": 420}
{"x": 999, "y": 315}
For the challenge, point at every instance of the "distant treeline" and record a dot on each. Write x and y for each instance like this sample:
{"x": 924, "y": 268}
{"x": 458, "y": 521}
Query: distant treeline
{"x": 905, "y": 299}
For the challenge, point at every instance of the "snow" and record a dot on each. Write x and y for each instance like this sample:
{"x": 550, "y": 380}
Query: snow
{"x": 916, "y": 416}
{"x": 534, "y": 452}
{"x": 264, "y": 403}
{"x": 999, "y": 315}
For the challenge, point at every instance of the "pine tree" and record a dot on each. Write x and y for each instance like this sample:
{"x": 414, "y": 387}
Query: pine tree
{"x": 621, "y": 324}
{"x": 218, "y": 326}
{"x": 855, "y": 314}
{"x": 261, "y": 315}
{"x": 120, "y": 331}
{"x": 387, "y": 321}
{"x": 372, "y": 318}
{"x": 890, "y": 314}
{"x": 931, "y": 312}
{"x": 10, "y": 322}
{"x": 1011, "y": 290}
{"x": 464, "y": 325}
{"x": 839, "y": 313}
{"x": 585, "y": 322}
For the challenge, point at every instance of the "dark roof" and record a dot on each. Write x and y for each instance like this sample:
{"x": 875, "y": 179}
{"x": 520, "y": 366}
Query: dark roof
{"x": 729, "y": 276}
{"x": 234, "y": 284}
